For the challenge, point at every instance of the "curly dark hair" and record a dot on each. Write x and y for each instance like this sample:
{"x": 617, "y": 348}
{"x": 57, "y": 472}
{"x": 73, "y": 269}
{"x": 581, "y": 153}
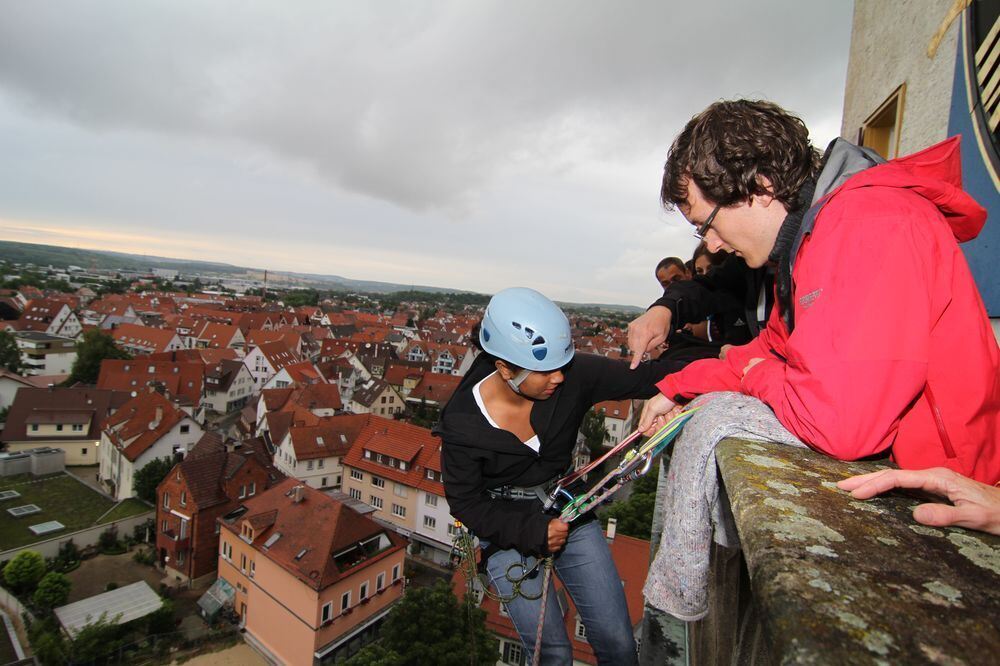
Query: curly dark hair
{"x": 727, "y": 146}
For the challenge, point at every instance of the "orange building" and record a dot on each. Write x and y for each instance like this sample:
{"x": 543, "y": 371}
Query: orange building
{"x": 313, "y": 579}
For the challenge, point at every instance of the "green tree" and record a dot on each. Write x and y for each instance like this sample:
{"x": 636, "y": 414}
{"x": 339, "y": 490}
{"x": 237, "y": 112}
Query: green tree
{"x": 94, "y": 348}
{"x": 52, "y": 591}
{"x": 430, "y": 626}
{"x": 594, "y": 432}
{"x": 24, "y": 571}
{"x": 294, "y": 299}
{"x": 95, "y": 640}
{"x": 147, "y": 478}
{"x": 635, "y": 515}
{"x": 161, "y": 621}
{"x": 10, "y": 355}
{"x": 375, "y": 654}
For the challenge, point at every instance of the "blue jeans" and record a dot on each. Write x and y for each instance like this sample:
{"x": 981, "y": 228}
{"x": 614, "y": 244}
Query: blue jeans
{"x": 585, "y": 567}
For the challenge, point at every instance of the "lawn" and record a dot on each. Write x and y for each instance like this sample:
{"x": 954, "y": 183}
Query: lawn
{"x": 126, "y": 509}
{"x": 60, "y": 496}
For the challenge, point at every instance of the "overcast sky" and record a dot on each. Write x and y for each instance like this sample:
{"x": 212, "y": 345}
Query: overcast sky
{"x": 466, "y": 144}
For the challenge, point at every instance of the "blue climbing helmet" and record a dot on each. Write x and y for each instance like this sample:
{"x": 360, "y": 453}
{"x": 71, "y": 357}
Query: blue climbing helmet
{"x": 523, "y": 327}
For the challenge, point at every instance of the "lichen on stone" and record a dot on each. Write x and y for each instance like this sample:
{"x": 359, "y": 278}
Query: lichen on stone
{"x": 976, "y": 551}
{"x": 942, "y": 594}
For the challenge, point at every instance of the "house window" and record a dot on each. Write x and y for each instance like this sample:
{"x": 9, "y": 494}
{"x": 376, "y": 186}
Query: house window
{"x": 166, "y": 500}
{"x": 430, "y": 522}
{"x": 395, "y": 573}
{"x": 327, "y": 612}
{"x": 253, "y": 489}
{"x": 243, "y": 563}
{"x": 322, "y": 482}
{"x": 512, "y": 652}
{"x": 243, "y": 491}
{"x": 453, "y": 529}
{"x": 399, "y": 490}
{"x": 227, "y": 550}
{"x": 59, "y": 427}
{"x": 363, "y": 591}
{"x": 377, "y": 502}
{"x": 378, "y": 482}
{"x": 345, "y": 601}
{"x": 399, "y": 511}
{"x": 253, "y": 568}
{"x": 357, "y": 476}
{"x": 83, "y": 452}
{"x": 166, "y": 527}
{"x": 581, "y": 631}
{"x": 185, "y": 429}
{"x": 320, "y": 463}
{"x": 184, "y": 498}
{"x": 309, "y": 465}
{"x": 430, "y": 500}
{"x": 77, "y": 427}
{"x": 431, "y": 475}
{"x": 34, "y": 427}
{"x": 355, "y": 494}
{"x": 380, "y": 581}
{"x": 880, "y": 131}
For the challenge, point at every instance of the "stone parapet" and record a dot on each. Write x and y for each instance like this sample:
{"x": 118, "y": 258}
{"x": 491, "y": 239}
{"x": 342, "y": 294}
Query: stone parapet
{"x": 839, "y": 580}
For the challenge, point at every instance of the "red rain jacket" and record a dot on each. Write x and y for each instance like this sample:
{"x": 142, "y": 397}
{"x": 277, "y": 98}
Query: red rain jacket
{"x": 891, "y": 344}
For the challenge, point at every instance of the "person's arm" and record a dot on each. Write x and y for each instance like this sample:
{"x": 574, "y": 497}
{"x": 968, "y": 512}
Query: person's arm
{"x": 974, "y": 505}
{"x": 688, "y": 302}
{"x": 608, "y": 379}
{"x": 489, "y": 519}
{"x": 857, "y": 357}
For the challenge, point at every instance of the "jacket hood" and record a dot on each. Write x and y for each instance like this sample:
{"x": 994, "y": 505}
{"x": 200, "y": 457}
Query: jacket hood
{"x": 934, "y": 173}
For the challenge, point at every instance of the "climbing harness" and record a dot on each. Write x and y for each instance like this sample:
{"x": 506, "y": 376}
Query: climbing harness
{"x": 636, "y": 462}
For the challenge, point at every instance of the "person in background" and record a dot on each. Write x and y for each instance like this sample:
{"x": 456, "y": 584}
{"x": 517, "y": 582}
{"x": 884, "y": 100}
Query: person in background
{"x": 671, "y": 270}
{"x": 703, "y": 261}
{"x": 973, "y": 505}
{"x": 879, "y": 341}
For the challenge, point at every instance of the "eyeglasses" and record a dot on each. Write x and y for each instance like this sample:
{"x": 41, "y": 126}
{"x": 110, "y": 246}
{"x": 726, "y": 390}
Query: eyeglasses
{"x": 703, "y": 229}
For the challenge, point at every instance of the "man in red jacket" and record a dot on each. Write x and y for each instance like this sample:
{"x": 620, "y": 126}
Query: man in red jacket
{"x": 879, "y": 340}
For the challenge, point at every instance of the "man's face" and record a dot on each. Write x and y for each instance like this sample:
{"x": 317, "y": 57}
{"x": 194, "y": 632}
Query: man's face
{"x": 747, "y": 229}
{"x": 670, "y": 274}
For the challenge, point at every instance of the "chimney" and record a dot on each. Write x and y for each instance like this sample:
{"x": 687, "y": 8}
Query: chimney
{"x": 612, "y": 528}
{"x": 298, "y": 493}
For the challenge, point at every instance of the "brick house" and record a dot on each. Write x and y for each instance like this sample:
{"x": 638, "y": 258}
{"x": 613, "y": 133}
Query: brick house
{"x": 209, "y": 483}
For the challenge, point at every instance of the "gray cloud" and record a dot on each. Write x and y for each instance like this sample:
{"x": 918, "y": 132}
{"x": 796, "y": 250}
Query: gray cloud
{"x": 448, "y": 118}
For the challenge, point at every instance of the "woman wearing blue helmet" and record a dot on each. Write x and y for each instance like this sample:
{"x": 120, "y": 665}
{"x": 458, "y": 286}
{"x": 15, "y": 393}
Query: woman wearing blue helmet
{"x": 509, "y": 431}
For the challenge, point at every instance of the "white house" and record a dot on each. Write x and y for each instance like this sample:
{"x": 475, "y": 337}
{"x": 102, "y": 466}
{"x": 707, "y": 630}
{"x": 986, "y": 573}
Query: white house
{"x": 267, "y": 359}
{"x": 145, "y": 428}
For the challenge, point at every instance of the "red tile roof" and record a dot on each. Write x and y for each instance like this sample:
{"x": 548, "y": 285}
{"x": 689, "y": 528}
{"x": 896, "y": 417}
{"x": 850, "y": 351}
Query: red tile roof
{"x": 150, "y": 339}
{"x": 181, "y": 379}
{"x": 312, "y": 531}
{"x": 435, "y": 388}
{"x": 332, "y": 436}
{"x": 141, "y": 422}
{"x": 402, "y": 441}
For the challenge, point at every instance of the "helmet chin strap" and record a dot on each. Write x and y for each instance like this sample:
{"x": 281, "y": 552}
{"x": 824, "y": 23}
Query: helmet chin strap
{"x": 515, "y": 383}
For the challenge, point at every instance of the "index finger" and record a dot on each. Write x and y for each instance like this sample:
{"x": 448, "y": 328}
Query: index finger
{"x": 879, "y": 482}
{"x": 636, "y": 359}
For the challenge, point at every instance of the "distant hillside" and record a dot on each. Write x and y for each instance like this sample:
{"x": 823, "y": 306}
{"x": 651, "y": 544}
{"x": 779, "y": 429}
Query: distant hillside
{"x": 61, "y": 257}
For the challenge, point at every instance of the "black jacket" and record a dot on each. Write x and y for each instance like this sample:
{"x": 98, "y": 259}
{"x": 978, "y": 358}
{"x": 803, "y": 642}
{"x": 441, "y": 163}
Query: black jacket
{"x": 476, "y": 457}
{"x": 729, "y": 293}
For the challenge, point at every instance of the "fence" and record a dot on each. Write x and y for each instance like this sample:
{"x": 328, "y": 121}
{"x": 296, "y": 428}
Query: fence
{"x": 82, "y": 538}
